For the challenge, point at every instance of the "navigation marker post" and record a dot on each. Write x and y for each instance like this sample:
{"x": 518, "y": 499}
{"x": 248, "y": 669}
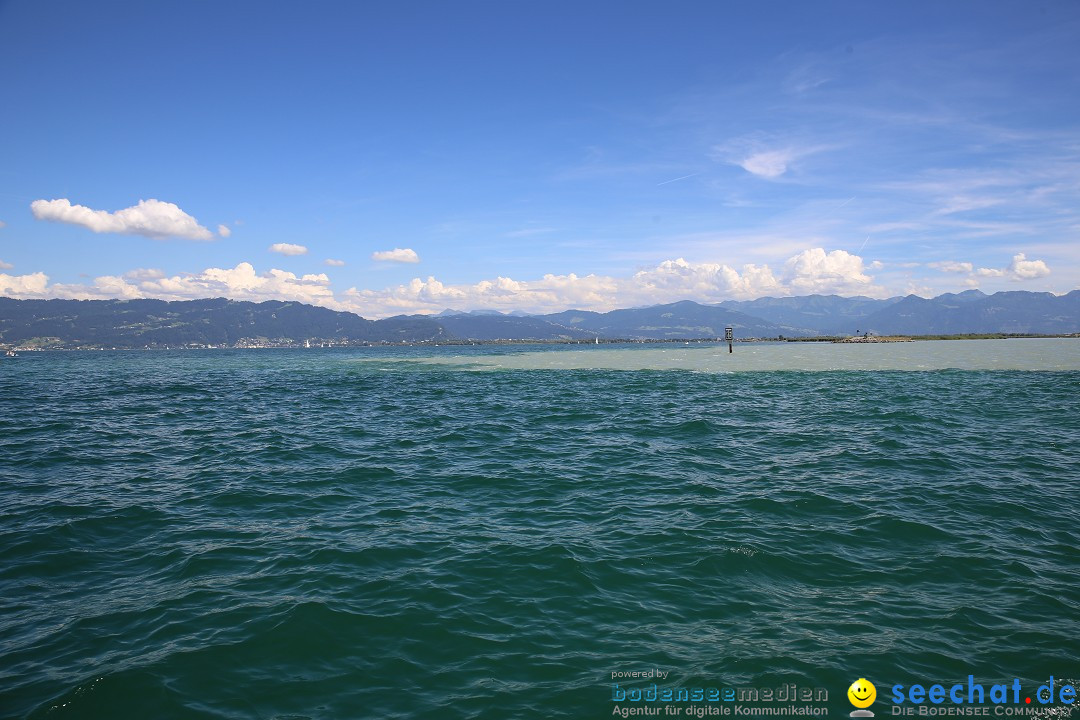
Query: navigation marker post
{"x": 729, "y": 337}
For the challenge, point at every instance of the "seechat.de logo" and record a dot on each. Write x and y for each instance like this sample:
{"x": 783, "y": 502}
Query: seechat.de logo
{"x": 862, "y": 694}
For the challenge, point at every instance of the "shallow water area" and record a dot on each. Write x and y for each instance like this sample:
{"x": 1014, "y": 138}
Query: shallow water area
{"x": 1015, "y": 354}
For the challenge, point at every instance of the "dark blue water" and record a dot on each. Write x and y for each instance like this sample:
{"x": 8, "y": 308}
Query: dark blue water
{"x": 369, "y": 534}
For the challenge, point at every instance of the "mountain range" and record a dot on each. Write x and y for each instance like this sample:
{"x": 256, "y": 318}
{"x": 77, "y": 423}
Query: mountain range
{"x": 220, "y": 322}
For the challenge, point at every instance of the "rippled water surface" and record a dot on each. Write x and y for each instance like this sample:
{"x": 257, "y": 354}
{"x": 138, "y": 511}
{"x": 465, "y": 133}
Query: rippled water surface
{"x": 491, "y": 532}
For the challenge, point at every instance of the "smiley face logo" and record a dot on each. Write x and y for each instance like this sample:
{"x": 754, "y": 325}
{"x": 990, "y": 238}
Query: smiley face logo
{"x": 862, "y": 693}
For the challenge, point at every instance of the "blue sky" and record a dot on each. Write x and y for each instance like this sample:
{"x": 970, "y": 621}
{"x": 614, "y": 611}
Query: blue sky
{"x": 537, "y": 156}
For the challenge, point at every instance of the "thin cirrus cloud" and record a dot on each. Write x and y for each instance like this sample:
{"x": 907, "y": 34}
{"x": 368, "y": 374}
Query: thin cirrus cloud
{"x": 398, "y": 255}
{"x": 950, "y": 266}
{"x": 150, "y": 218}
{"x": 529, "y": 232}
{"x": 768, "y": 164}
{"x": 288, "y": 249}
{"x": 334, "y": 263}
{"x": 763, "y": 156}
{"x": 140, "y": 274}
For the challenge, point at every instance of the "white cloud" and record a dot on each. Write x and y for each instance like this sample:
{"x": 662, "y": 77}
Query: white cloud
{"x": 768, "y": 164}
{"x": 950, "y": 266}
{"x": 549, "y": 294}
{"x": 242, "y": 283}
{"x": 840, "y": 272}
{"x": 106, "y": 286}
{"x": 288, "y": 249}
{"x": 150, "y": 218}
{"x": 238, "y": 283}
{"x": 669, "y": 281}
{"x": 763, "y": 156}
{"x": 813, "y": 270}
{"x": 5, "y": 266}
{"x": 1023, "y": 269}
{"x": 679, "y": 279}
{"x": 224, "y": 231}
{"x": 1019, "y": 269}
{"x": 144, "y": 274}
{"x": 333, "y": 263}
{"x": 33, "y": 285}
{"x": 401, "y": 255}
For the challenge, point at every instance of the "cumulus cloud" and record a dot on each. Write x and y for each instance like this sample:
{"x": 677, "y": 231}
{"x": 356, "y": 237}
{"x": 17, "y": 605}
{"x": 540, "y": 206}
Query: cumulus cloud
{"x": 950, "y": 266}
{"x": 334, "y": 263}
{"x": 5, "y": 266}
{"x": 150, "y": 218}
{"x": 238, "y": 283}
{"x": 243, "y": 283}
{"x": 813, "y": 270}
{"x": 669, "y": 281}
{"x": 550, "y": 293}
{"x": 816, "y": 271}
{"x": 400, "y": 255}
{"x": 24, "y": 286}
{"x": 679, "y": 279}
{"x": 1023, "y": 269}
{"x": 1019, "y": 269}
{"x": 288, "y": 249}
{"x": 224, "y": 231}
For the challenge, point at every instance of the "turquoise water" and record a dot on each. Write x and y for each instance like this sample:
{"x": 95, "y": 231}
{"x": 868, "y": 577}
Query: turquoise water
{"x": 492, "y": 532}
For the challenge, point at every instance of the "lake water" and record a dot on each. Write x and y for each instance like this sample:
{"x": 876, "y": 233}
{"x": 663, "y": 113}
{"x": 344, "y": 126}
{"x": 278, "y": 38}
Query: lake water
{"x": 492, "y": 532}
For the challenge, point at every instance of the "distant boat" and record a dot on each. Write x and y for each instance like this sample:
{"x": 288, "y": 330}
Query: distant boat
{"x": 10, "y": 353}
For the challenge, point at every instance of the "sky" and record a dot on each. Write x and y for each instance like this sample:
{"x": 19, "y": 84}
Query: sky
{"x": 405, "y": 157}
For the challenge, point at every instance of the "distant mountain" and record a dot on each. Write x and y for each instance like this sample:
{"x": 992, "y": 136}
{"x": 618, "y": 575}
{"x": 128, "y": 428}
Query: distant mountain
{"x": 966, "y": 296}
{"x": 681, "y": 320}
{"x": 686, "y": 319}
{"x": 814, "y": 314}
{"x": 471, "y": 326}
{"x": 453, "y": 313}
{"x": 974, "y": 312}
{"x": 156, "y": 323}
